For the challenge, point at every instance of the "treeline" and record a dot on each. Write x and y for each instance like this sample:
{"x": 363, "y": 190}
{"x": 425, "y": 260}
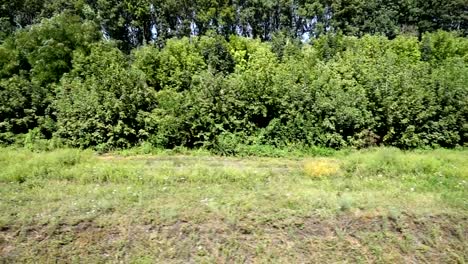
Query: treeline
{"x": 137, "y": 22}
{"x": 61, "y": 80}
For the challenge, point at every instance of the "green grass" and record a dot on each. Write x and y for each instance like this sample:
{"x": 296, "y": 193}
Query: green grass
{"x": 377, "y": 205}
{"x": 240, "y": 150}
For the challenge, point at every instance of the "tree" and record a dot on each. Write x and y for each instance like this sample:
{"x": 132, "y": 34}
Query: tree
{"x": 35, "y": 59}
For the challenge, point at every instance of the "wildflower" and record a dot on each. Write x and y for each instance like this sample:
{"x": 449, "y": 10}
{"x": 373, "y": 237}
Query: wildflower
{"x": 205, "y": 200}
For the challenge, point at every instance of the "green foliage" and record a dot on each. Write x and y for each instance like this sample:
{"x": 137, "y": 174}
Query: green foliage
{"x": 103, "y": 101}
{"x": 169, "y": 120}
{"x": 215, "y": 51}
{"x": 132, "y": 23}
{"x": 146, "y": 59}
{"x": 18, "y": 100}
{"x": 340, "y": 92}
{"x": 178, "y": 62}
{"x": 48, "y": 47}
{"x": 60, "y": 79}
{"x": 406, "y": 97}
{"x": 31, "y": 61}
{"x": 442, "y": 45}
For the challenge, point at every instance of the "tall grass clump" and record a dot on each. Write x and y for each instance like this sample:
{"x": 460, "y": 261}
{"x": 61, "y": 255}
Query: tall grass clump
{"x": 19, "y": 165}
{"x": 395, "y": 162}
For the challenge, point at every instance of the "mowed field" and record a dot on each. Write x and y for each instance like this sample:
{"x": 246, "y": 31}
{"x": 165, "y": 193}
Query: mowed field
{"x": 378, "y": 205}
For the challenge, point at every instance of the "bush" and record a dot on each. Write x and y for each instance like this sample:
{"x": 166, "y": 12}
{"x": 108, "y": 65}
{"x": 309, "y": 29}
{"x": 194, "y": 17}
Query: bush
{"x": 31, "y": 61}
{"x": 102, "y": 101}
{"x": 236, "y": 97}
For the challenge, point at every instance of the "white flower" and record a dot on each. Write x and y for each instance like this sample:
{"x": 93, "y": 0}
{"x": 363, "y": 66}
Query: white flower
{"x": 205, "y": 200}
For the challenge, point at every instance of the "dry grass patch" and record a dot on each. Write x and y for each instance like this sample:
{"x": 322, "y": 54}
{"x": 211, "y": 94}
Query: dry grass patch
{"x": 321, "y": 168}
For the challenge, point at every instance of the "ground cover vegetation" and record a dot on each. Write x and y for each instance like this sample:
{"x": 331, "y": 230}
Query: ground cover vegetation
{"x": 124, "y": 127}
{"x": 234, "y": 76}
{"x": 378, "y": 205}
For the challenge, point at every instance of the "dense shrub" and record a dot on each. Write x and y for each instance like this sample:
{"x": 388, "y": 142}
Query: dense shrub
{"x": 103, "y": 101}
{"x": 235, "y": 95}
{"x": 31, "y": 61}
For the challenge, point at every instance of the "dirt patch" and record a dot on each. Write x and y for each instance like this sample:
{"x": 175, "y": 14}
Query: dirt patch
{"x": 436, "y": 239}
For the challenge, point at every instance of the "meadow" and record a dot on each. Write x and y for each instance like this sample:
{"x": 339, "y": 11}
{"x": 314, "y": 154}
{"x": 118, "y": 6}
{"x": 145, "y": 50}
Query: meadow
{"x": 379, "y": 205}
{"x": 233, "y": 131}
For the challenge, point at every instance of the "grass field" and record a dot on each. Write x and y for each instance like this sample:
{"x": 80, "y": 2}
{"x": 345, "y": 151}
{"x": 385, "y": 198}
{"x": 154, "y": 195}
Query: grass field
{"x": 378, "y": 205}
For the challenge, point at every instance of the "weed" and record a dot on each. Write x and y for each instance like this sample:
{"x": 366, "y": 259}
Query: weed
{"x": 389, "y": 206}
{"x": 321, "y": 168}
